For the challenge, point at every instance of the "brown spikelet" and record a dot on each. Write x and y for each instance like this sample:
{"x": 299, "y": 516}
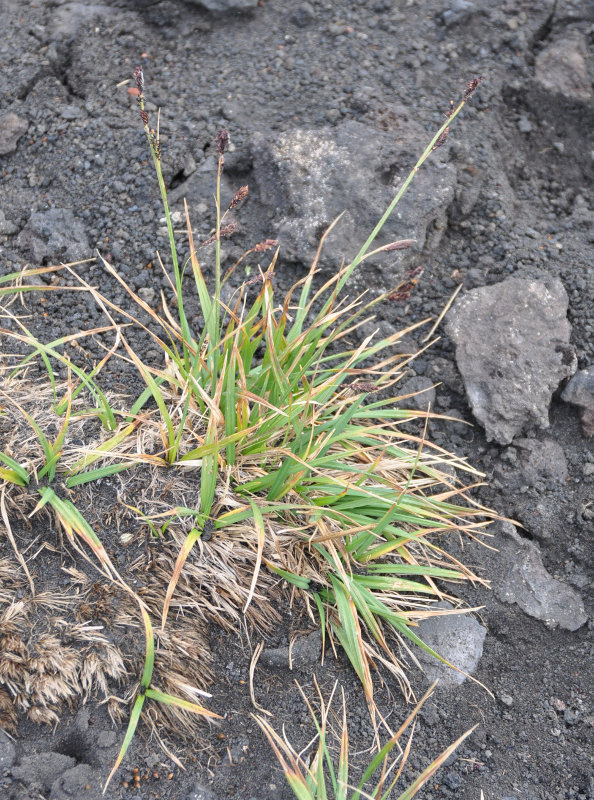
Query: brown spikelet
{"x": 260, "y": 278}
{"x": 222, "y": 140}
{"x": 442, "y": 139}
{"x": 139, "y": 78}
{"x": 267, "y": 244}
{"x": 403, "y": 244}
{"x": 471, "y": 87}
{"x": 363, "y": 386}
{"x": 144, "y": 117}
{"x": 239, "y": 196}
{"x": 226, "y": 230}
{"x": 404, "y": 291}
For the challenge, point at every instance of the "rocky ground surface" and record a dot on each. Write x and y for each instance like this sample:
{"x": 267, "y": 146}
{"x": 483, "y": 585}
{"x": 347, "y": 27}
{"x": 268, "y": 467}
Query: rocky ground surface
{"x": 328, "y": 104}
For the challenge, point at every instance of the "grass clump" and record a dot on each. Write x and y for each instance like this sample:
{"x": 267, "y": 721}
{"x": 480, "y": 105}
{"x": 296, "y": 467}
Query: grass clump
{"x": 321, "y": 482}
{"x": 295, "y": 473}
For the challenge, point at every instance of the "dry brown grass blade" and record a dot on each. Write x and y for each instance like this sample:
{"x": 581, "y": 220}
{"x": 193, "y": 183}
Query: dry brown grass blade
{"x": 18, "y": 554}
{"x": 261, "y": 534}
{"x": 183, "y": 554}
{"x": 253, "y": 662}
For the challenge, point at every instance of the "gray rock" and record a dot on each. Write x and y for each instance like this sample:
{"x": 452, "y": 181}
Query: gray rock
{"x": 561, "y": 68}
{"x": 303, "y": 14}
{"x": 42, "y": 769}
{"x": 521, "y": 578}
{"x": 221, "y": 6}
{"x": 541, "y": 461}
{"x": 80, "y": 782}
{"x": 458, "y": 638}
{"x": 7, "y": 752}
{"x": 54, "y": 234}
{"x": 148, "y": 294}
{"x": 12, "y": 127}
{"x": 425, "y": 389}
{"x": 73, "y": 112}
{"x": 305, "y": 652}
{"x": 539, "y": 517}
{"x": 580, "y": 392}
{"x": 512, "y": 349}
{"x": 459, "y": 11}
{"x": 6, "y": 226}
{"x": 442, "y": 370}
{"x": 308, "y": 177}
{"x": 200, "y": 792}
{"x": 67, "y": 20}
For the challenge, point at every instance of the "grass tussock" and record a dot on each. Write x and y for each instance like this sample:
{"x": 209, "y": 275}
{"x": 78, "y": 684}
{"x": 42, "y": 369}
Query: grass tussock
{"x": 268, "y": 460}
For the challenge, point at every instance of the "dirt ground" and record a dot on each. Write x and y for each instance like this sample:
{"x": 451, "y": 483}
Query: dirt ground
{"x": 523, "y": 151}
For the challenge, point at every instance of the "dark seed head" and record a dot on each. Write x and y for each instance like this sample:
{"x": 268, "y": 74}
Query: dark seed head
{"x": 222, "y": 140}
{"x": 262, "y": 247}
{"x": 227, "y": 230}
{"x": 239, "y": 195}
{"x": 144, "y": 117}
{"x": 442, "y": 139}
{"x": 471, "y": 87}
{"x": 139, "y": 78}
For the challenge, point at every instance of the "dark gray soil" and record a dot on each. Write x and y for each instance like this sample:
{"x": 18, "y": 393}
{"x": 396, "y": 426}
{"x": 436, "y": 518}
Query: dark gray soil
{"x": 523, "y": 153}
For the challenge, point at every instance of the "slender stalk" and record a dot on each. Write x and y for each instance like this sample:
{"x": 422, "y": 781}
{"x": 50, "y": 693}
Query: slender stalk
{"x": 155, "y": 148}
{"x": 433, "y": 144}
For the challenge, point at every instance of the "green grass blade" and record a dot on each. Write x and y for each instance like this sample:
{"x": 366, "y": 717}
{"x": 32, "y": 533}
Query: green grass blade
{"x": 12, "y": 476}
{"x": 13, "y": 465}
{"x": 97, "y": 474}
{"x": 170, "y": 700}
{"x": 131, "y": 730}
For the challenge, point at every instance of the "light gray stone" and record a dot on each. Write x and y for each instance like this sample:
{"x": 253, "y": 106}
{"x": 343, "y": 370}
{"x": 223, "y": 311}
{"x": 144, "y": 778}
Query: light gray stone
{"x": 521, "y": 578}
{"x": 561, "y": 68}
{"x": 200, "y": 792}
{"x": 54, "y": 234}
{"x": 580, "y": 392}
{"x": 458, "y": 638}
{"x": 221, "y": 6}
{"x": 457, "y": 12}
{"x": 541, "y": 461}
{"x": 307, "y": 178}
{"x": 304, "y": 654}
{"x": 7, "y": 227}
{"x": 12, "y": 127}
{"x": 512, "y": 349}
{"x": 66, "y": 20}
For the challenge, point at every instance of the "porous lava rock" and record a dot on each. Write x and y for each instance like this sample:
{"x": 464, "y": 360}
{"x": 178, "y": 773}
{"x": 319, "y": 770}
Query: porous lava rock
{"x": 458, "y": 638}
{"x": 307, "y": 178}
{"x": 580, "y": 392}
{"x": 512, "y": 349}
{"x": 520, "y": 577}
{"x": 561, "y": 68}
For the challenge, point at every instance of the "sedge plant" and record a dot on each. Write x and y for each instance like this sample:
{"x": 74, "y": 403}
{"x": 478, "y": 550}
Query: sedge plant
{"x": 321, "y": 480}
{"x": 308, "y": 472}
